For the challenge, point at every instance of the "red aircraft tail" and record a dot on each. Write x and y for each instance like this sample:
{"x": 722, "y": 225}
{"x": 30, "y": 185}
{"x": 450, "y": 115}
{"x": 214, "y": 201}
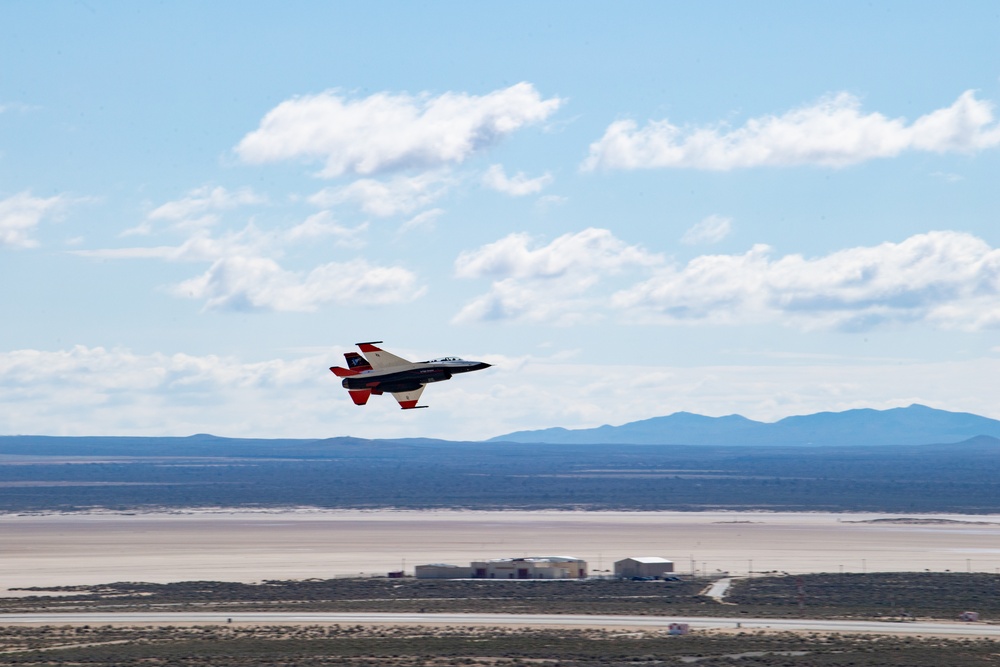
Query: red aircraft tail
{"x": 355, "y": 364}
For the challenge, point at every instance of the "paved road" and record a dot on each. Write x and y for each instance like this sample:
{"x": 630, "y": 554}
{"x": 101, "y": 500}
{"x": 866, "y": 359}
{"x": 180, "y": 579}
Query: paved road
{"x": 718, "y": 589}
{"x": 532, "y": 620}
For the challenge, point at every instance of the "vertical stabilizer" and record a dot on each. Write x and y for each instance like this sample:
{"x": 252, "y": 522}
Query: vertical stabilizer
{"x": 356, "y": 362}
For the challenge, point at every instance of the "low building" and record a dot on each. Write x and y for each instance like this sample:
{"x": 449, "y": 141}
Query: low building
{"x": 538, "y": 567}
{"x": 643, "y": 566}
{"x": 442, "y": 571}
{"x": 678, "y": 629}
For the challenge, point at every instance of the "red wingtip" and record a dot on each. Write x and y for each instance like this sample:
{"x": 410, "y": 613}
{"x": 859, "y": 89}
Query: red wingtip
{"x": 407, "y": 405}
{"x": 342, "y": 372}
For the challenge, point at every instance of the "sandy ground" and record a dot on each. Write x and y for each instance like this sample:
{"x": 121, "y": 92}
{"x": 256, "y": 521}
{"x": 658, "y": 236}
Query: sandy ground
{"x": 66, "y": 549}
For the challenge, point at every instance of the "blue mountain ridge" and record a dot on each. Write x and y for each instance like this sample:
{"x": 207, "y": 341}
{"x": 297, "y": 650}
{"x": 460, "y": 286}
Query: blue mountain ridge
{"x": 913, "y": 425}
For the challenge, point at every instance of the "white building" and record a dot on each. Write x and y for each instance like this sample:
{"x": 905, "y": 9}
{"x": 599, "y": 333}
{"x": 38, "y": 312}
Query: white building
{"x": 538, "y": 567}
{"x": 643, "y": 566}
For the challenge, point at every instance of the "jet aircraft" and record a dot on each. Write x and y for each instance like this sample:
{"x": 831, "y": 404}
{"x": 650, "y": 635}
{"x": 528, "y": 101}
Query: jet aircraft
{"x": 383, "y": 372}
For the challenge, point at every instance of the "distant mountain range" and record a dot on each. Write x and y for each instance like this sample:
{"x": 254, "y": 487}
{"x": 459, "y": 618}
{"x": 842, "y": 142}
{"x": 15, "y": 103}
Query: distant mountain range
{"x": 914, "y": 425}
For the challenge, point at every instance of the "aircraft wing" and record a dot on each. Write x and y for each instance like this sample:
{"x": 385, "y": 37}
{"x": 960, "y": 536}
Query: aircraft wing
{"x": 408, "y": 399}
{"x": 379, "y": 358}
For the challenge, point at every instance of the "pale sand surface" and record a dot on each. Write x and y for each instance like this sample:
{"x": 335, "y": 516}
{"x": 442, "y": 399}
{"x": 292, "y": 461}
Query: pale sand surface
{"x": 93, "y": 548}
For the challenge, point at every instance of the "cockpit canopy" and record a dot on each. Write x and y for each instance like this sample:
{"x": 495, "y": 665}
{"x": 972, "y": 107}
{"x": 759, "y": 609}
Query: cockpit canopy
{"x": 433, "y": 361}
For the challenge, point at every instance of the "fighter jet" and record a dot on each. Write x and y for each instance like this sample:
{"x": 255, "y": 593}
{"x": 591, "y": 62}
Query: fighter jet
{"x": 382, "y": 372}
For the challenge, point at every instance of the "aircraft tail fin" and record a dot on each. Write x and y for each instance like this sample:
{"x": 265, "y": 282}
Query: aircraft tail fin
{"x": 355, "y": 364}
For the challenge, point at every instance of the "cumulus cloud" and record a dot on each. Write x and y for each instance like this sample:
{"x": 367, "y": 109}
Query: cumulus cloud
{"x": 204, "y": 199}
{"x": 115, "y": 391}
{"x": 396, "y": 196}
{"x": 86, "y": 390}
{"x": 832, "y": 133}
{"x": 322, "y": 224}
{"x": 20, "y": 214}
{"x": 389, "y": 131}
{"x": 516, "y": 186}
{"x": 548, "y": 283}
{"x": 243, "y": 275}
{"x": 198, "y": 209}
{"x": 424, "y": 221}
{"x": 540, "y": 393}
{"x": 946, "y": 279}
{"x": 712, "y": 229}
{"x": 200, "y": 246}
{"x": 260, "y": 283}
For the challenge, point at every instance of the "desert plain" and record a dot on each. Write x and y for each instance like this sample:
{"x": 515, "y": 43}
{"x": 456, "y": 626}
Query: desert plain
{"x": 251, "y": 546}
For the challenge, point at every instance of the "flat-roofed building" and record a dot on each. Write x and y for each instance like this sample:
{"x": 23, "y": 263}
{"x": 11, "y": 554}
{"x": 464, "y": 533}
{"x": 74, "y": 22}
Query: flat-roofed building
{"x": 643, "y": 566}
{"x": 536, "y": 567}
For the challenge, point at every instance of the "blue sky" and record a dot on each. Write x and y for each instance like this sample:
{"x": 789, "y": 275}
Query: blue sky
{"x": 629, "y": 209}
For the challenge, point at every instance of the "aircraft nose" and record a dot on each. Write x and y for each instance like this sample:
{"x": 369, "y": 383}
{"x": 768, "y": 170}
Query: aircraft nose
{"x": 480, "y": 365}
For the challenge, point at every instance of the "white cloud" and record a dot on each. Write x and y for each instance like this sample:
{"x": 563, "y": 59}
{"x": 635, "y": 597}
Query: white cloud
{"x": 551, "y": 201}
{"x": 712, "y": 229}
{"x": 423, "y": 221}
{"x": 591, "y": 250}
{"x": 946, "y": 279}
{"x": 20, "y": 214}
{"x": 518, "y": 185}
{"x": 259, "y": 283}
{"x": 538, "y": 393}
{"x": 832, "y": 133}
{"x": 389, "y": 131}
{"x": 396, "y": 196}
{"x": 199, "y": 208}
{"x": 321, "y": 225}
{"x": 547, "y": 283}
{"x": 244, "y": 276}
{"x": 948, "y": 177}
{"x": 95, "y": 390}
{"x": 88, "y": 390}
{"x": 18, "y": 107}
{"x": 200, "y": 246}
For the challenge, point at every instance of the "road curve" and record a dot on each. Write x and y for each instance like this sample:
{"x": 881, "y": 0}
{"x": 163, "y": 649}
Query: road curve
{"x": 930, "y": 628}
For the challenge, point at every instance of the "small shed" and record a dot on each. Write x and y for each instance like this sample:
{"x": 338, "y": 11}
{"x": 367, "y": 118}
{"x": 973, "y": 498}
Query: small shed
{"x": 643, "y": 566}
